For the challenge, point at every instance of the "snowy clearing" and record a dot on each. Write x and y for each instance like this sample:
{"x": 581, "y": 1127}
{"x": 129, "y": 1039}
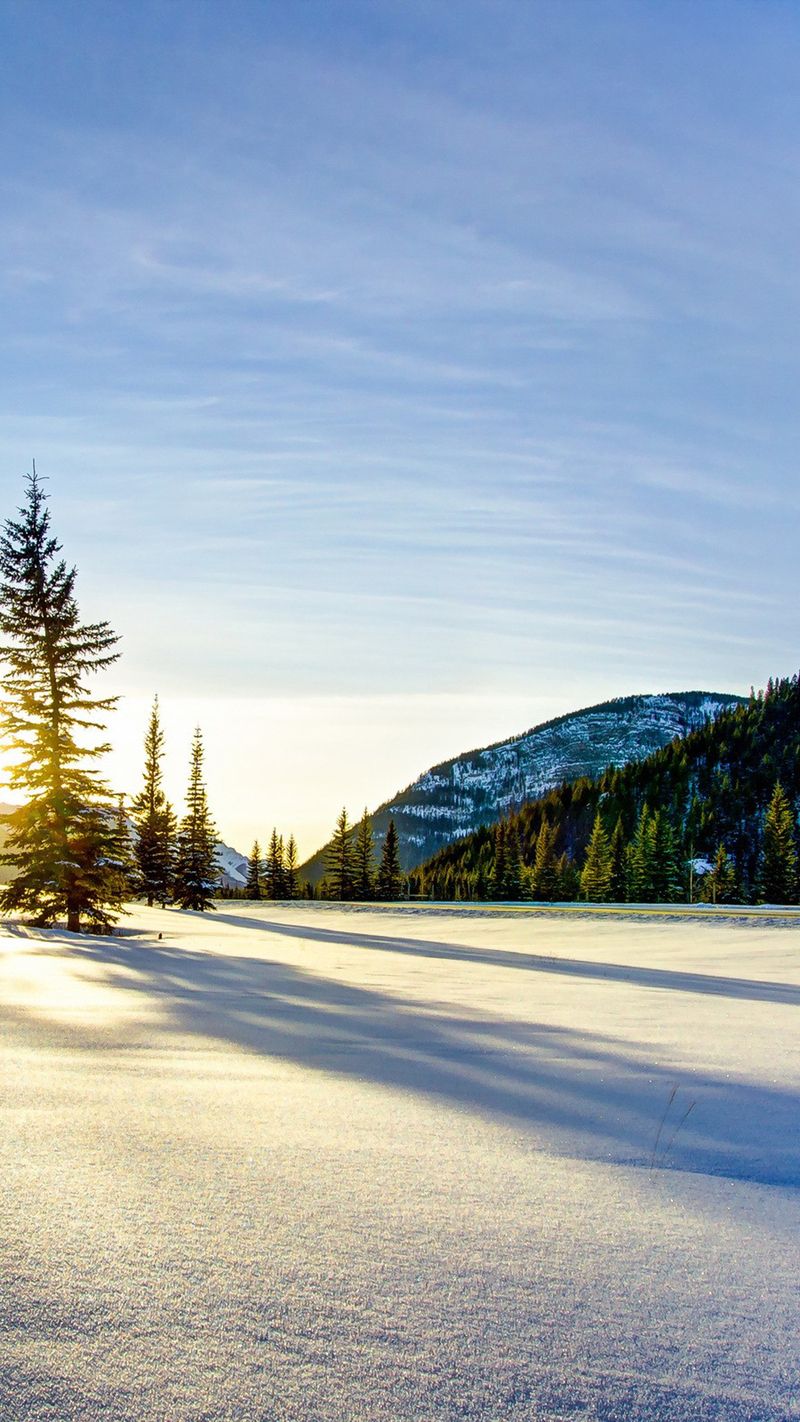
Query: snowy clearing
{"x": 316, "y": 1163}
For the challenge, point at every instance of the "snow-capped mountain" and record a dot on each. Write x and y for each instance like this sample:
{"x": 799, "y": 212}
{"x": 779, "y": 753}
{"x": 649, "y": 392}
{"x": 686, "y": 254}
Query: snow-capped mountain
{"x": 232, "y": 866}
{"x": 460, "y": 795}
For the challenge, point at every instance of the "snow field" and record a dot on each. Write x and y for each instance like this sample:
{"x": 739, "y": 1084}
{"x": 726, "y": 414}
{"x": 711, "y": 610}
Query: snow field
{"x": 302, "y": 1162}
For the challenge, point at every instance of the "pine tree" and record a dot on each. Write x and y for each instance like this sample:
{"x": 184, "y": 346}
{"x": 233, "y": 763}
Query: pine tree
{"x": 390, "y": 875}
{"x": 196, "y": 870}
{"x": 125, "y": 853}
{"x": 642, "y": 860}
{"x": 364, "y": 860}
{"x": 567, "y": 880}
{"x": 339, "y": 861}
{"x": 274, "y": 875}
{"x": 512, "y": 889}
{"x": 617, "y": 887}
{"x": 499, "y": 871}
{"x": 291, "y": 886}
{"x": 597, "y": 874}
{"x": 253, "y": 885}
{"x": 167, "y": 833}
{"x": 778, "y": 876}
{"x": 667, "y": 877}
{"x": 719, "y": 887}
{"x": 153, "y": 847}
{"x": 479, "y": 888}
{"x": 545, "y": 871}
{"x": 62, "y": 843}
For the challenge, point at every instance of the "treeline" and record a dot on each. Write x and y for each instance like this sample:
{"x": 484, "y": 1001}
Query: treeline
{"x": 711, "y": 816}
{"x": 272, "y": 877}
{"x": 353, "y": 871}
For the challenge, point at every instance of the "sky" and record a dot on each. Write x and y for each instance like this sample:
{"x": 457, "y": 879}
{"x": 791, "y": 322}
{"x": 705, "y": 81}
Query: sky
{"x": 403, "y": 373}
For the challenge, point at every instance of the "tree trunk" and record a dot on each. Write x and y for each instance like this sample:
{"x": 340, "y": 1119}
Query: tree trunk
{"x": 73, "y": 917}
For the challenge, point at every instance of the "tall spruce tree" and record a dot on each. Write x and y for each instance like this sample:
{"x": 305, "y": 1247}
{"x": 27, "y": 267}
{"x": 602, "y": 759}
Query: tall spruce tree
{"x": 617, "y": 887}
{"x": 153, "y": 847}
{"x": 512, "y": 888}
{"x": 62, "y": 843}
{"x": 668, "y": 885}
{"x": 544, "y": 879}
{"x": 597, "y": 875}
{"x": 642, "y": 860}
{"x": 196, "y": 870}
{"x": 719, "y": 886}
{"x": 364, "y": 860}
{"x": 390, "y": 874}
{"x": 163, "y": 881}
{"x": 499, "y": 870}
{"x": 339, "y": 861}
{"x": 125, "y": 840}
{"x": 274, "y": 874}
{"x": 778, "y": 876}
{"x": 253, "y": 885}
{"x": 291, "y": 878}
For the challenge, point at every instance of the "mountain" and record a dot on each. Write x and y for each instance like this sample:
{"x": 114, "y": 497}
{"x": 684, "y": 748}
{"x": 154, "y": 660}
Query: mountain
{"x": 705, "y": 792}
{"x": 232, "y": 866}
{"x": 460, "y": 795}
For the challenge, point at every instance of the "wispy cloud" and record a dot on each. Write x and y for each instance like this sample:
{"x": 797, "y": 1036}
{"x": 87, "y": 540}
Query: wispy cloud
{"x": 458, "y": 358}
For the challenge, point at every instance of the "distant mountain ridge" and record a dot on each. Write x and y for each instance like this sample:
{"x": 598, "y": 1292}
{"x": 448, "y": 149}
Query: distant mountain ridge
{"x": 473, "y": 789}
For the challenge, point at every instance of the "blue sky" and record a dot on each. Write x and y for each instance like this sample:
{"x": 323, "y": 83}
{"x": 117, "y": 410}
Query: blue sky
{"x": 404, "y": 373}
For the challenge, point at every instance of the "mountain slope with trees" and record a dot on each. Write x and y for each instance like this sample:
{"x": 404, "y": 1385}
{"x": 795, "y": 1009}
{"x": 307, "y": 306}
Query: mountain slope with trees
{"x": 725, "y": 795}
{"x": 474, "y": 789}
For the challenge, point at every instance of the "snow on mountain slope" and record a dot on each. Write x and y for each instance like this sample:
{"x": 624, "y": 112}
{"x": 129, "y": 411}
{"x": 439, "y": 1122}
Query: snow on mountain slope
{"x": 474, "y": 789}
{"x": 232, "y": 866}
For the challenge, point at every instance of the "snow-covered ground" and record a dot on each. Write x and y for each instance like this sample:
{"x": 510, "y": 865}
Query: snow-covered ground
{"x": 372, "y": 1166}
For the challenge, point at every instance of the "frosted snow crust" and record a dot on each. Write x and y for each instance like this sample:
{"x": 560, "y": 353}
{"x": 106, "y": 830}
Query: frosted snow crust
{"x": 313, "y": 1164}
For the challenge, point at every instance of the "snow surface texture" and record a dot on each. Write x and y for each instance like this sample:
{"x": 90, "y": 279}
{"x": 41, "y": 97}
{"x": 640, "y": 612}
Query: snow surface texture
{"x": 475, "y": 789}
{"x": 303, "y": 1162}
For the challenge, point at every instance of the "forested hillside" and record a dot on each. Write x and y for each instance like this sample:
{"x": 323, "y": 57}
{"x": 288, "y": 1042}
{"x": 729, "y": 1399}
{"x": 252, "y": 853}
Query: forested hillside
{"x": 726, "y": 793}
{"x": 474, "y": 789}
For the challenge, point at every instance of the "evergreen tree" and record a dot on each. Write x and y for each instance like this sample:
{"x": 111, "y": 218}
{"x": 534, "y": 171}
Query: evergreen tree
{"x": 597, "y": 874}
{"x": 567, "y": 880}
{"x": 274, "y": 867}
{"x": 291, "y": 887}
{"x": 719, "y": 887}
{"x": 196, "y": 870}
{"x": 778, "y": 876}
{"x": 642, "y": 861}
{"x": 364, "y": 860}
{"x": 499, "y": 871}
{"x": 167, "y": 827}
{"x": 253, "y": 885}
{"x": 390, "y": 875}
{"x": 153, "y": 847}
{"x": 545, "y": 865}
{"x": 617, "y": 886}
{"x": 125, "y": 853}
{"x": 480, "y": 884}
{"x": 668, "y": 885}
{"x": 339, "y": 861}
{"x": 512, "y": 889}
{"x": 62, "y": 842}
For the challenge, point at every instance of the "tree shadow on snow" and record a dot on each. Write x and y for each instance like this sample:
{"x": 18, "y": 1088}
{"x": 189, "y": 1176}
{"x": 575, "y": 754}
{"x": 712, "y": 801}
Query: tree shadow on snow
{"x": 661, "y": 979}
{"x": 577, "y": 1092}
